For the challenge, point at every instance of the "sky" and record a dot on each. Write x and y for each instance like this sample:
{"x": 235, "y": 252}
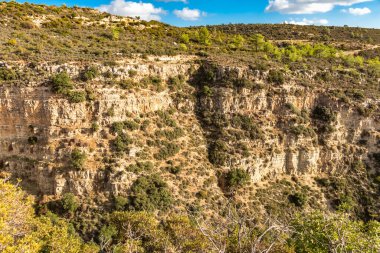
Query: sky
{"x": 362, "y": 13}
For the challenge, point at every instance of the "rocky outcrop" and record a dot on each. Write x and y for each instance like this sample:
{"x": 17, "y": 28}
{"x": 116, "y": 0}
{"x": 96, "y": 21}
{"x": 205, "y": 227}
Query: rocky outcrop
{"x": 284, "y": 150}
{"x": 38, "y": 129}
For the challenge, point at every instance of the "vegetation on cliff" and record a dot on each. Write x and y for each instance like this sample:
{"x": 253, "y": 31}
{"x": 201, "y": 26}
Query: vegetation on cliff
{"x": 151, "y": 138}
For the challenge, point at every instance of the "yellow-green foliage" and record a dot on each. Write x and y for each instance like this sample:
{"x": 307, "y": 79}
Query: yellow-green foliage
{"x": 16, "y": 219}
{"x": 374, "y": 66}
{"x": 317, "y": 232}
{"x": 22, "y": 231}
{"x": 142, "y": 232}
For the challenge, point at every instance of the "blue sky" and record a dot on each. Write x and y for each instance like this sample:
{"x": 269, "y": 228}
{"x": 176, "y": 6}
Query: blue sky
{"x": 364, "y": 13}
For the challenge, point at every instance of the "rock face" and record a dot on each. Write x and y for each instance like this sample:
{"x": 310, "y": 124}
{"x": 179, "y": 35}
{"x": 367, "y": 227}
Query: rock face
{"x": 39, "y": 129}
{"x": 292, "y": 142}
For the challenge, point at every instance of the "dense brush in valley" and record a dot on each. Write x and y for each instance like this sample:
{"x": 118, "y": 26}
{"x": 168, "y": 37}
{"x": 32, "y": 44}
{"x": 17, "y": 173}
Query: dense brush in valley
{"x": 121, "y": 135}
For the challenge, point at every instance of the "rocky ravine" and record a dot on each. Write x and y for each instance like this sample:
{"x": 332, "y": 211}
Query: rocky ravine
{"x": 269, "y": 130}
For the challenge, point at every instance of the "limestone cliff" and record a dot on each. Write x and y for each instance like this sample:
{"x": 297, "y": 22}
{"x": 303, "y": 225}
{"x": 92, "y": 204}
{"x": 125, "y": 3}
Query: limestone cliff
{"x": 270, "y": 130}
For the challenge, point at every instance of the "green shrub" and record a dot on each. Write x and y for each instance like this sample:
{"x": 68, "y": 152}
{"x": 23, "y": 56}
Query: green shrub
{"x": 176, "y": 82}
{"x": 140, "y": 167}
{"x": 167, "y": 150}
{"x": 207, "y": 91}
{"x": 131, "y": 125}
{"x": 155, "y": 80}
{"x": 298, "y": 199}
{"x": 121, "y": 143}
{"x": 356, "y": 94}
{"x": 62, "y": 83}
{"x": 149, "y": 193}
{"x": 324, "y": 76}
{"x": 244, "y": 83}
{"x": 324, "y": 114}
{"x": 111, "y": 112}
{"x": 120, "y": 203}
{"x": 204, "y": 36}
{"x": 246, "y": 123}
{"x": 7, "y": 74}
{"x": 236, "y": 178}
{"x": 132, "y": 73}
{"x": 151, "y": 80}
{"x": 94, "y": 127}
{"x": 90, "y": 94}
{"x": 89, "y": 74}
{"x": 27, "y": 25}
{"x": 117, "y": 127}
{"x": 174, "y": 169}
{"x": 69, "y": 203}
{"x": 77, "y": 96}
{"x": 77, "y": 159}
{"x": 127, "y": 84}
{"x": 302, "y": 130}
{"x": 218, "y": 153}
{"x": 185, "y": 38}
{"x": 144, "y": 125}
{"x": 32, "y": 140}
{"x": 12, "y": 42}
{"x": 166, "y": 119}
{"x": 170, "y": 135}
{"x": 276, "y": 77}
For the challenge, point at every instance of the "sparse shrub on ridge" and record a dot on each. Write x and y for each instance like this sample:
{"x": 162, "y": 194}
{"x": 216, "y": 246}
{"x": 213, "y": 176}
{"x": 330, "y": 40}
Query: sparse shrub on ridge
{"x": 62, "y": 83}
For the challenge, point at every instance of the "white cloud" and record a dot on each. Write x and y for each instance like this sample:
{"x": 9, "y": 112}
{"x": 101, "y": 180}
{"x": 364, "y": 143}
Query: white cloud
{"x": 358, "y": 11}
{"x": 308, "y": 22}
{"x": 308, "y": 6}
{"x": 145, "y": 11}
{"x": 189, "y": 14}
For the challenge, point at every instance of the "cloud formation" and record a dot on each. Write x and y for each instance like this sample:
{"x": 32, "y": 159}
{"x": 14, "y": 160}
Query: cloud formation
{"x": 189, "y": 14}
{"x": 358, "y": 11}
{"x": 145, "y": 11}
{"x": 308, "y": 6}
{"x": 308, "y": 22}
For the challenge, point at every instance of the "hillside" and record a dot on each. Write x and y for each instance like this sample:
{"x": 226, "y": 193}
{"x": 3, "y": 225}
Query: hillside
{"x": 137, "y": 136}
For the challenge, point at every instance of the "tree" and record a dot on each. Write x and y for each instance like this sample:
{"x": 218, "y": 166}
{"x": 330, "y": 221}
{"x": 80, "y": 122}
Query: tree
{"x": 185, "y": 38}
{"x": 106, "y": 235}
{"x": 184, "y": 235}
{"x": 70, "y": 203}
{"x": 204, "y": 36}
{"x": 150, "y": 193}
{"x": 258, "y": 41}
{"x": 318, "y": 232}
{"x": 56, "y": 235}
{"x": 237, "y": 42}
{"x": 16, "y": 219}
{"x": 115, "y": 33}
{"x": 139, "y": 231}
{"x": 22, "y": 231}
